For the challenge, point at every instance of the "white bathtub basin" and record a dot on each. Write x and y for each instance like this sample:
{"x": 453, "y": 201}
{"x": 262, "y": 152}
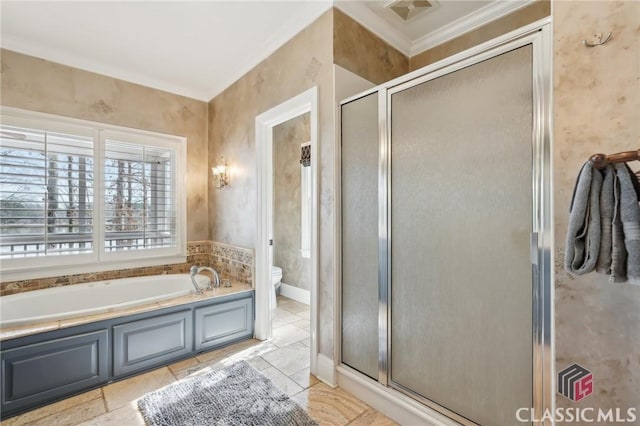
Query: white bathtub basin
{"x": 91, "y": 298}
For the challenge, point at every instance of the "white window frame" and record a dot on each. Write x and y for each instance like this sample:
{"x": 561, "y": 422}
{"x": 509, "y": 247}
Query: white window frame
{"x": 100, "y": 260}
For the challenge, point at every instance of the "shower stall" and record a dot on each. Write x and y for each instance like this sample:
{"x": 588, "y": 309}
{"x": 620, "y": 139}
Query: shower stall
{"x": 446, "y": 233}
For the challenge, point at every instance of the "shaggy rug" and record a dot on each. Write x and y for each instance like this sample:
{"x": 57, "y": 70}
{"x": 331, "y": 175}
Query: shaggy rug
{"x": 234, "y": 395}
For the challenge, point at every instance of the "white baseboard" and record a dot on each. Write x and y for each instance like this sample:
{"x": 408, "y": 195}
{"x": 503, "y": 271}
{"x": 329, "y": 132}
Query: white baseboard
{"x": 296, "y": 293}
{"x": 391, "y": 403}
{"x": 326, "y": 370}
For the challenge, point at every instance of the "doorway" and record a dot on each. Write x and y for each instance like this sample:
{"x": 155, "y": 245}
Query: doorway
{"x": 295, "y": 110}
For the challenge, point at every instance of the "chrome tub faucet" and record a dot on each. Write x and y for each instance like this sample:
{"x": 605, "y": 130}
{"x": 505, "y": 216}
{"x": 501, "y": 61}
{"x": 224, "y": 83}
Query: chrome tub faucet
{"x": 195, "y": 270}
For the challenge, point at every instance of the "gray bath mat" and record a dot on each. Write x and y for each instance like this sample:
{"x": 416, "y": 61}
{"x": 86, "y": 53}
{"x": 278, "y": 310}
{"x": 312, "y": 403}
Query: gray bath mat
{"x": 234, "y": 395}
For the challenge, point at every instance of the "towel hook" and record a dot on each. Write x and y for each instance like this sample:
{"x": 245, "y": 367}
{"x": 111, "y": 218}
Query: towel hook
{"x": 599, "y": 161}
{"x": 599, "y": 41}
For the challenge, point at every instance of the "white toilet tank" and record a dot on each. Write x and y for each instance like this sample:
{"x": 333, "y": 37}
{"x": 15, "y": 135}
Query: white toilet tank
{"x": 276, "y": 277}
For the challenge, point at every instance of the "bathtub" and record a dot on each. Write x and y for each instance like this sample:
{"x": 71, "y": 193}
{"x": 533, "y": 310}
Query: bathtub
{"x": 90, "y": 351}
{"x": 91, "y": 298}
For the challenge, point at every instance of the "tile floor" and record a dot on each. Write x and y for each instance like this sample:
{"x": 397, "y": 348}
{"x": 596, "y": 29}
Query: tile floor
{"x": 284, "y": 359}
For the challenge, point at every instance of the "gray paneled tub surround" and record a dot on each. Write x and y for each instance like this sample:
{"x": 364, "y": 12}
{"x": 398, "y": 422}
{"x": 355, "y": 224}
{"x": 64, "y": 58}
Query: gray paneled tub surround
{"x": 44, "y": 367}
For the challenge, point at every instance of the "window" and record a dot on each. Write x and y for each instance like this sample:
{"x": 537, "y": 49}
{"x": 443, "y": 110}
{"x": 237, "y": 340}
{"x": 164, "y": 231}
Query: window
{"x": 139, "y": 197}
{"x": 87, "y": 195}
{"x": 306, "y": 209}
{"x": 46, "y": 197}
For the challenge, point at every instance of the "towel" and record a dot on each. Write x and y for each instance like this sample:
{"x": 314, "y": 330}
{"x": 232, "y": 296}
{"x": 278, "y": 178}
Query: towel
{"x": 607, "y": 205}
{"x": 583, "y": 234}
{"x": 630, "y": 217}
{"x": 618, "y": 249}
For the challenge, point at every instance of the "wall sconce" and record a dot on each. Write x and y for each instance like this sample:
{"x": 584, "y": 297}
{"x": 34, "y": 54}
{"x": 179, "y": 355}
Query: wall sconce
{"x": 220, "y": 174}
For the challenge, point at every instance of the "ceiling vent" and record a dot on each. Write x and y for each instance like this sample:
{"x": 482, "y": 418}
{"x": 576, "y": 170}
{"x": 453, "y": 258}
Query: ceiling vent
{"x": 410, "y": 9}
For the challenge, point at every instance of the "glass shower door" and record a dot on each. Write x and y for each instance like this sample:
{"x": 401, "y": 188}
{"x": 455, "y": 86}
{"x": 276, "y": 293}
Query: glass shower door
{"x": 461, "y": 220}
{"x": 359, "y": 175}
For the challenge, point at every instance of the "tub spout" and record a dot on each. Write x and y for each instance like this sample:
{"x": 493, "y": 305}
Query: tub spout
{"x": 195, "y": 270}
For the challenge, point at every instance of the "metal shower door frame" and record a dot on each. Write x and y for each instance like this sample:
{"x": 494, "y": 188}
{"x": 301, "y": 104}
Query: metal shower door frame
{"x": 538, "y": 35}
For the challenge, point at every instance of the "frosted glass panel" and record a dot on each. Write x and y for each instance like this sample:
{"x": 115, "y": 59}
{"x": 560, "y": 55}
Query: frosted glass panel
{"x": 360, "y": 234}
{"x": 461, "y": 285}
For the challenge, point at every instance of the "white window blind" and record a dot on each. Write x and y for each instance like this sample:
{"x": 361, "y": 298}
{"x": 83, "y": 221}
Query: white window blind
{"x": 140, "y": 209}
{"x": 46, "y": 194}
{"x": 81, "y": 197}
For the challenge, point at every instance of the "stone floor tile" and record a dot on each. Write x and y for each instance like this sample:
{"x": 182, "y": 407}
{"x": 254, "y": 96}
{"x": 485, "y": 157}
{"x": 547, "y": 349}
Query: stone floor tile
{"x": 184, "y": 364}
{"x": 304, "y": 315}
{"x": 292, "y": 305}
{"x": 129, "y": 415}
{"x": 330, "y": 406}
{"x": 283, "y": 317}
{"x": 123, "y": 392}
{"x": 258, "y": 349}
{"x": 290, "y": 359}
{"x": 73, "y": 415}
{"x": 306, "y": 342}
{"x": 259, "y": 363}
{"x": 304, "y": 378}
{"x": 47, "y": 410}
{"x": 279, "y": 379}
{"x": 288, "y": 334}
{"x": 372, "y": 417}
{"x": 302, "y": 324}
{"x": 202, "y": 368}
{"x": 210, "y": 356}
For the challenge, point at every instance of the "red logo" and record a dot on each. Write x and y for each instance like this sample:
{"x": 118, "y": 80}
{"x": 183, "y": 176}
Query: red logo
{"x": 575, "y": 382}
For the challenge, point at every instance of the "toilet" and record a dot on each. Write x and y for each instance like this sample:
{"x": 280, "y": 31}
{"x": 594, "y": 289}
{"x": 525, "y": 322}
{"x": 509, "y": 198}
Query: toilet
{"x": 276, "y": 278}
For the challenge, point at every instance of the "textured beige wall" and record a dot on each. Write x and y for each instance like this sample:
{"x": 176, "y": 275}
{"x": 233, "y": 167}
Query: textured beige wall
{"x": 360, "y": 51}
{"x": 519, "y": 18}
{"x": 596, "y": 109}
{"x": 39, "y": 85}
{"x": 303, "y": 62}
{"x": 287, "y": 199}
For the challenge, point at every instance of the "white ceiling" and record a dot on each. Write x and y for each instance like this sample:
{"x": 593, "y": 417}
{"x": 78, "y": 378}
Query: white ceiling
{"x": 199, "y": 48}
{"x": 196, "y": 49}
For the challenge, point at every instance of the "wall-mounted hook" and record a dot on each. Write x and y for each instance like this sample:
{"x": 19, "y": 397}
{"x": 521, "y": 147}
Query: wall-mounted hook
{"x": 598, "y": 40}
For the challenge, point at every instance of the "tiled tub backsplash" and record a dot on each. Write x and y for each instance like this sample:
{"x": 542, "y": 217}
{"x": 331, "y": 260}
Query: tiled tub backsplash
{"x": 231, "y": 262}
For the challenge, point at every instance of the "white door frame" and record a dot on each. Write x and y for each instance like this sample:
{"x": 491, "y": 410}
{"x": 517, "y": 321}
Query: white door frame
{"x": 304, "y": 102}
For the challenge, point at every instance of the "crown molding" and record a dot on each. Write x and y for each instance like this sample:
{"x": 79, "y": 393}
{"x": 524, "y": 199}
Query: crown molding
{"x": 205, "y": 93}
{"x": 476, "y": 19}
{"x": 359, "y": 12}
{"x": 70, "y": 59}
{"x": 275, "y": 41}
{"x": 366, "y": 17}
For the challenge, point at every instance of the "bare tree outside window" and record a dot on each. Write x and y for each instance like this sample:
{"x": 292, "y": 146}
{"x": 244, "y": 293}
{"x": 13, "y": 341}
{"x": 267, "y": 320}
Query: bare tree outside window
{"x": 136, "y": 193}
{"x": 44, "y": 189}
{"x": 82, "y": 197}
{"x": 52, "y": 197}
{"x": 47, "y": 194}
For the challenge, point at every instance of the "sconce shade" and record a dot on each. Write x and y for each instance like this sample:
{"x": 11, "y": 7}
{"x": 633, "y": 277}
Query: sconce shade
{"x": 220, "y": 174}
